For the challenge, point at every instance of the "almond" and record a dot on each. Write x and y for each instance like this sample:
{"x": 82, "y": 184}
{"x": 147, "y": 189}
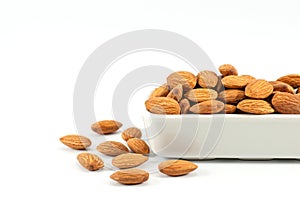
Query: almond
{"x": 255, "y": 106}
{"x": 232, "y": 96}
{"x": 298, "y": 91}
{"x": 207, "y": 107}
{"x": 229, "y": 109}
{"x": 138, "y": 146}
{"x": 200, "y": 95}
{"x": 184, "y": 106}
{"x": 186, "y": 79}
{"x": 228, "y": 69}
{"x": 130, "y": 160}
{"x": 132, "y": 132}
{"x": 237, "y": 82}
{"x": 286, "y": 103}
{"x": 161, "y": 91}
{"x": 292, "y": 79}
{"x": 259, "y": 89}
{"x": 112, "y": 148}
{"x": 162, "y": 105}
{"x": 207, "y": 79}
{"x": 89, "y": 161}
{"x": 176, "y": 93}
{"x": 130, "y": 176}
{"x": 220, "y": 86}
{"x": 281, "y": 87}
{"x": 77, "y": 142}
{"x": 106, "y": 126}
{"x": 176, "y": 167}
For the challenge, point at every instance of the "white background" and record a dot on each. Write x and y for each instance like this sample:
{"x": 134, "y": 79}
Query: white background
{"x": 43, "y": 45}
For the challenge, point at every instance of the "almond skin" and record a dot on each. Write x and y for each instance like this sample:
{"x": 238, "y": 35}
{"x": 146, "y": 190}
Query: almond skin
{"x": 161, "y": 91}
{"x": 112, "y": 148}
{"x": 207, "y": 107}
{"x": 286, "y": 103}
{"x": 228, "y": 69}
{"x": 281, "y": 87}
{"x": 185, "y": 78}
{"x": 184, "y": 106}
{"x": 138, "y": 146}
{"x": 130, "y": 176}
{"x": 91, "y": 162}
{"x": 176, "y": 167}
{"x": 232, "y": 96}
{"x": 131, "y": 132}
{"x": 236, "y": 82}
{"x": 255, "y": 106}
{"x": 292, "y": 79}
{"x": 207, "y": 79}
{"x": 200, "y": 95}
{"x": 259, "y": 89}
{"x": 162, "y": 105}
{"x": 130, "y": 160}
{"x": 176, "y": 93}
{"x": 77, "y": 142}
{"x": 106, "y": 126}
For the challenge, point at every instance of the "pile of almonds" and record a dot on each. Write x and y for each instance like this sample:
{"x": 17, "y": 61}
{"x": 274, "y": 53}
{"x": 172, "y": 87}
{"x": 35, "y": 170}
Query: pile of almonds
{"x": 124, "y": 159}
{"x": 209, "y": 93}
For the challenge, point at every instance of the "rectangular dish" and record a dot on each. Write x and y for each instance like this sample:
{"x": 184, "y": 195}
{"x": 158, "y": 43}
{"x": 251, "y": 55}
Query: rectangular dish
{"x": 241, "y": 136}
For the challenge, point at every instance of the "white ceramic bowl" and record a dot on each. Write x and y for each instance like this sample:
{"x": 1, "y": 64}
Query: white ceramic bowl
{"x": 224, "y": 136}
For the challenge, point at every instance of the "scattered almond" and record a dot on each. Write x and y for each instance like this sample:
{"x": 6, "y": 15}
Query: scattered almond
{"x": 130, "y": 176}
{"x": 207, "y": 107}
{"x": 106, "y": 126}
{"x": 286, "y": 103}
{"x": 259, "y": 89}
{"x": 236, "y": 82}
{"x": 112, "y": 148}
{"x": 176, "y": 93}
{"x": 161, "y": 91}
{"x": 176, "y": 167}
{"x": 207, "y": 79}
{"x": 89, "y": 161}
{"x": 184, "y": 106}
{"x": 186, "y": 79}
{"x": 228, "y": 69}
{"x": 282, "y": 87}
{"x": 232, "y": 96}
{"x": 162, "y": 105}
{"x": 129, "y": 160}
{"x": 292, "y": 79}
{"x": 255, "y": 106}
{"x": 77, "y": 142}
{"x": 138, "y": 146}
{"x": 200, "y": 95}
{"x": 132, "y": 132}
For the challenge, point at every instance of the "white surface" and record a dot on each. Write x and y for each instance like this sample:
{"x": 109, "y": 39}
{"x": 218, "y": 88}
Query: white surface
{"x": 261, "y": 137}
{"x": 42, "y": 47}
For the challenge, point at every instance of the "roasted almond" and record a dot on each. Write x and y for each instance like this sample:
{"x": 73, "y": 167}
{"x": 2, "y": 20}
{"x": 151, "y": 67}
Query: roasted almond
{"x": 77, "y": 142}
{"x": 90, "y": 162}
{"x": 200, "y": 95}
{"x": 131, "y": 132}
{"x": 286, "y": 103}
{"x": 259, "y": 89}
{"x": 237, "y": 82}
{"x": 186, "y": 79}
{"x": 220, "y": 86}
{"x": 162, "y": 105}
{"x": 138, "y": 146}
{"x": 292, "y": 79}
{"x": 184, "y": 106}
{"x": 207, "y": 79}
{"x": 161, "y": 91}
{"x": 255, "y": 106}
{"x": 281, "y": 87}
{"x": 129, "y": 160}
{"x": 106, "y": 126}
{"x": 176, "y": 167}
{"x": 229, "y": 109}
{"x": 112, "y": 148}
{"x": 176, "y": 93}
{"x": 130, "y": 176}
{"x": 231, "y": 96}
{"x": 207, "y": 107}
{"x": 228, "y": 69}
